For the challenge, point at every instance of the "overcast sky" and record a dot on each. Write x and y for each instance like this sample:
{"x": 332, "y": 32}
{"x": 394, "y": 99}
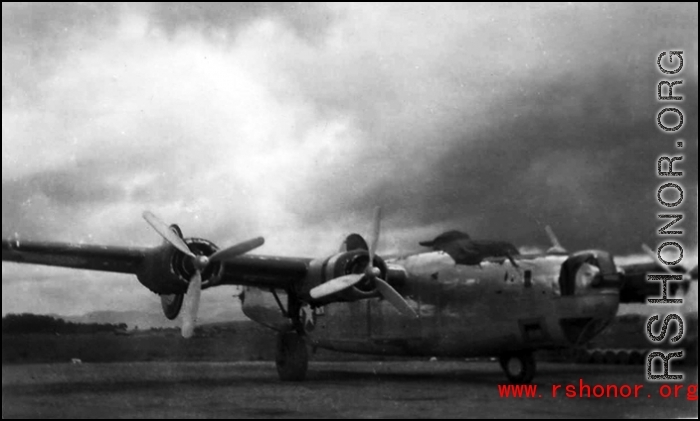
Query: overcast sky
{"x": 293, "y": 121}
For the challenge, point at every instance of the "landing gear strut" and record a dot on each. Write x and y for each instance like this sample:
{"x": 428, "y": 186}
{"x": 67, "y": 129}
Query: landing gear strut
{"x": 519, "y": 368}
{"x": 292, "y": 358}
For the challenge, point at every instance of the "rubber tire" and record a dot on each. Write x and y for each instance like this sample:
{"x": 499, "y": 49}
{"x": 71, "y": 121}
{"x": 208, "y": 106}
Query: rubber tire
{"x": 528, "y": 368}
{"x": 292, "y": 358}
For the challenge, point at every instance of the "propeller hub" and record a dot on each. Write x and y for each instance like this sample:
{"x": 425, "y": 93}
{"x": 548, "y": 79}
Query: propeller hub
{"x": 373, "y": 271}
{"x": 201, "y": 262}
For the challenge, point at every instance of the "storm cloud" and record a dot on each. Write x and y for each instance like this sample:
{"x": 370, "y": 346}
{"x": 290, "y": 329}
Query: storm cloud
{"x": 293, "y": 121}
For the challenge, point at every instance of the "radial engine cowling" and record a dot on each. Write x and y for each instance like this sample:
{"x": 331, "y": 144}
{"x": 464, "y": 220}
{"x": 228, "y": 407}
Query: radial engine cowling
{"x": 346, "y": 263}
{"x": 166, "y": 270}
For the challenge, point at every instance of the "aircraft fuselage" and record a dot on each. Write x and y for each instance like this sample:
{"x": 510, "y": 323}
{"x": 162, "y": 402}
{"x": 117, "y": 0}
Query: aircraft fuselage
{"x": 490, "y": 309}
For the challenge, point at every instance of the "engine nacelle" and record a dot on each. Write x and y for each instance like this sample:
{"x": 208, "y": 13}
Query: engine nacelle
{"x": 345, "y": 263}
{"x": 637, "y": 289}
{"x": 166, "y": 270}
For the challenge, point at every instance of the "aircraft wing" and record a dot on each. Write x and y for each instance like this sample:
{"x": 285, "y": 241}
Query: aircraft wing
{"x": 247, "y": 270}
{"x": 180, "y": 268}
{"x": 264, "y": 271}
{"x": 79, "y": 256}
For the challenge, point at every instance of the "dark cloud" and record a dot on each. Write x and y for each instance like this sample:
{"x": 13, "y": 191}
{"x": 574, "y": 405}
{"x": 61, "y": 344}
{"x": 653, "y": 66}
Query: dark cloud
{"x": 293, "y": 121}
{"x": 588, "y": 170}
{"x": 309, "y": 20}
{"x": 41, "y": 28}
{"x": 568, "y": 138}
{"x": 69, "y": 187}
{"x": 36, "y": 37}
{"x": 27, "y": 201}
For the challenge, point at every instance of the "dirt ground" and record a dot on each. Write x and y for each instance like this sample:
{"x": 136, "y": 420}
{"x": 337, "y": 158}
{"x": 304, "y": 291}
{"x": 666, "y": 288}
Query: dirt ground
{"x": 340, "y": 389}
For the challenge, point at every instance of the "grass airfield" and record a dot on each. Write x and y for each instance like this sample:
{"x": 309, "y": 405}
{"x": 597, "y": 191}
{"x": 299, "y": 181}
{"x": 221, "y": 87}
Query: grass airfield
{"x": 406, "y": 389}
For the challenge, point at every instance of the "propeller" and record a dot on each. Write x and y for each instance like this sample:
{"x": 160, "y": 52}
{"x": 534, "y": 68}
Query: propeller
{"x": 335, "y": 285}
{"x": 190, "y": 307}
{"x": 371, "y": 273}
{"x": 556, "y": 248}
{"x": 200, "y": 263}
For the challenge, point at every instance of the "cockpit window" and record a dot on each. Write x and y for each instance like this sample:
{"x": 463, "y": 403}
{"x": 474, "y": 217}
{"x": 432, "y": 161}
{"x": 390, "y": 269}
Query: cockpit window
{"x": 586, "y": 275}
{"x": 577, "y": 273}
{"x": 586, "y": 270}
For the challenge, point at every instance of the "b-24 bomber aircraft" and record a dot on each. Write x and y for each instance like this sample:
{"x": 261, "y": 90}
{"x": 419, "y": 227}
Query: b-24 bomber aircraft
{"x": 463, "y": 298}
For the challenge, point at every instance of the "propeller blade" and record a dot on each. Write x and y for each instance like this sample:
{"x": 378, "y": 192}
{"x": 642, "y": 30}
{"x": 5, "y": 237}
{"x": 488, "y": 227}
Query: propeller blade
{"x": 236, "y": 250}
{"x": 189, "y": 313}
{"x": 374, "y": 241}
{"x": 335, "y": 285}
{"x": 556, "y": 245}
{"x": 164, "y": 230}
{"x": 649, "y": 252}
{"x": 394, "y": 298}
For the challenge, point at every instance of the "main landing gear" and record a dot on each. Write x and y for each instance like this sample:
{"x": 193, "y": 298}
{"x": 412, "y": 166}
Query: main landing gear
{"x": 519, "y": 368}
{"x": 292, "y": 358}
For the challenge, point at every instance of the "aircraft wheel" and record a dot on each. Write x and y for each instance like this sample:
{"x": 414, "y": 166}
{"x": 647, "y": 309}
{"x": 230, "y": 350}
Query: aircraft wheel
{"x": 519, "y": 368}
{"x": 292, "y": 358}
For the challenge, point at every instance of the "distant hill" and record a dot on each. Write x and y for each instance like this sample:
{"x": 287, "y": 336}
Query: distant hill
{"x": 154, "y": 318}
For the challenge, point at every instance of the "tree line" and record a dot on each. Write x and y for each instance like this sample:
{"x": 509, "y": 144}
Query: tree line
{"x": 33, "y": 323}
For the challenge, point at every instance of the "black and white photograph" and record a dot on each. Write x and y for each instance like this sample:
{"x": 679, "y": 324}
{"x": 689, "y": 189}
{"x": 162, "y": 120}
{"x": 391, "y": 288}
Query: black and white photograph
{"x": 349, "y": 210}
